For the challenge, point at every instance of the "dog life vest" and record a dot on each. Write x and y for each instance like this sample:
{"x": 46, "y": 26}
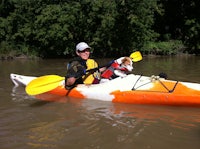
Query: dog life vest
{"x": 109, "y": 73}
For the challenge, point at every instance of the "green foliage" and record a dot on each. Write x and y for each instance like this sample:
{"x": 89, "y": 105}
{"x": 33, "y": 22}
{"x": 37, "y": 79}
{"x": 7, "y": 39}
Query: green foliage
{"x": 5, "y": 48}
{"x": 180, "y": 21}
{"x": 135, "y": 23}
{"x": 192, "y": 36}
{"x": 113, "y": 28}
{"x": 163, "y": 48}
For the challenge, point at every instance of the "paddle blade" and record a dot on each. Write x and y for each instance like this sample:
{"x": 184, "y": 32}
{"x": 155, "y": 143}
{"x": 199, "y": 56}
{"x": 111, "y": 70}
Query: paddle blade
{"x": 43, "y": 84}
{"x": 136, "y": 56}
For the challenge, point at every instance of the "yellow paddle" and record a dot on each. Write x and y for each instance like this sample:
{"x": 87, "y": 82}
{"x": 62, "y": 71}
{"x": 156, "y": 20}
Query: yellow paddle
{"x": 43, "y": 84}
{"x": 136, "y": 56}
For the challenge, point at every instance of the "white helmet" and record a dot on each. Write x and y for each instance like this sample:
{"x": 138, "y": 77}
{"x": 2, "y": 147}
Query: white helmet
{"x": 82, "y": 46}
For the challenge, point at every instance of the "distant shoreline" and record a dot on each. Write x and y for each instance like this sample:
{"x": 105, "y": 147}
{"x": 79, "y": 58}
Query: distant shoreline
{"x": 8, "y": 57}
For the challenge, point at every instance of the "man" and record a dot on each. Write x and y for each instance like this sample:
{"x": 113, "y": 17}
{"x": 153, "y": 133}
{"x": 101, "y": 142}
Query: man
{"x": 76, "y": 70}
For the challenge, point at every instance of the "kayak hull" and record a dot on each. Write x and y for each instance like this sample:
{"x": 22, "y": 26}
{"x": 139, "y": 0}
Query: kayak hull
{"x": 133, "y": 89}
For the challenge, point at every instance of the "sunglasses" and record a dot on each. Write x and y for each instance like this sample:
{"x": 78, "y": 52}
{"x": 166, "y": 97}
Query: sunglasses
{"x": 86, "y": 50}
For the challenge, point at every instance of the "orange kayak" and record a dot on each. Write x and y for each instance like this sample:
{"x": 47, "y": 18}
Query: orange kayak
{"x": 132, "y": 89}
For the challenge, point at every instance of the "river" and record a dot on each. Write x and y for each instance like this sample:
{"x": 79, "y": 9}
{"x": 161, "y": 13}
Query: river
{"x": 28, "y": 123}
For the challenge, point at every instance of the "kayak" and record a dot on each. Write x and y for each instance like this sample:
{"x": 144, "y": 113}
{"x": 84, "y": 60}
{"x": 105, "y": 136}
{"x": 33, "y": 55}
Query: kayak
{"x": 132, "y": 89}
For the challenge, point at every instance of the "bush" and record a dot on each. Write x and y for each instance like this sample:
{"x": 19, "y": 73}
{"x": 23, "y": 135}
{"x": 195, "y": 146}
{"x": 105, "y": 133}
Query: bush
{"x": 163, "y": 48}
{"x": 10, "y": 51}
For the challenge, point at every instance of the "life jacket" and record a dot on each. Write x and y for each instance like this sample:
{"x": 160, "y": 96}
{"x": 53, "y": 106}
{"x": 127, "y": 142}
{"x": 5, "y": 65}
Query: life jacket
{"x": 89, "y": 79}
{"x": 109, "y": 73}
{"x": 78, "y": 63}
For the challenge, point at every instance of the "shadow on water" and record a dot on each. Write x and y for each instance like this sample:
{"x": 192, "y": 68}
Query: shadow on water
{"x": 39, "y": 103}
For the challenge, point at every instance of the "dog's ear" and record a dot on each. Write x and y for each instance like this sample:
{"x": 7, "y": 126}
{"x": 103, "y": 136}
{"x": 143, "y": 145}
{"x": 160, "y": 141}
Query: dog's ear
{"x": 126, "y": 59}
{"x": 131, "y": 62}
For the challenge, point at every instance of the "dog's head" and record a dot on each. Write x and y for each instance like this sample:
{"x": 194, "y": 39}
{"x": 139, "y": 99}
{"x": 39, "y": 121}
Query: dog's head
{"x": 127, "y": 63}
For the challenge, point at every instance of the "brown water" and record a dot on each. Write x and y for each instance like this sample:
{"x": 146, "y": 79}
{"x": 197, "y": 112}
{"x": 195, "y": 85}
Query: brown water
{"x": 27, "y": 123}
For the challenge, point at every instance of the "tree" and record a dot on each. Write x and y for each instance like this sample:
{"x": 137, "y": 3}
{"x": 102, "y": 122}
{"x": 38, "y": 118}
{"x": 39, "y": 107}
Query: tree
{"x": 180, "y": 21}
{"x": 53, "y": 28}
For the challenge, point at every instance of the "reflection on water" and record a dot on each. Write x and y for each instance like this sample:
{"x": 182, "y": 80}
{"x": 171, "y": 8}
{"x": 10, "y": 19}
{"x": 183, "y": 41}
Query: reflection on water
{"x": 18, "y": 94}
{"x": 176, "y": 116}
{"x": 76, "y": 122}
{"x": 27, "y": 122}
{"x": 44, "y": 135}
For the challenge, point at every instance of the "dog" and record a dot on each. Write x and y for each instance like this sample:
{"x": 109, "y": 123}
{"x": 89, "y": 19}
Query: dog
{"x": 119, "y": 68}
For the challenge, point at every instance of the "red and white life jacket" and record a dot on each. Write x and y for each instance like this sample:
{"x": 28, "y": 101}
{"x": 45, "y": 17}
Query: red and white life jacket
{"x": 109, "y": 73}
